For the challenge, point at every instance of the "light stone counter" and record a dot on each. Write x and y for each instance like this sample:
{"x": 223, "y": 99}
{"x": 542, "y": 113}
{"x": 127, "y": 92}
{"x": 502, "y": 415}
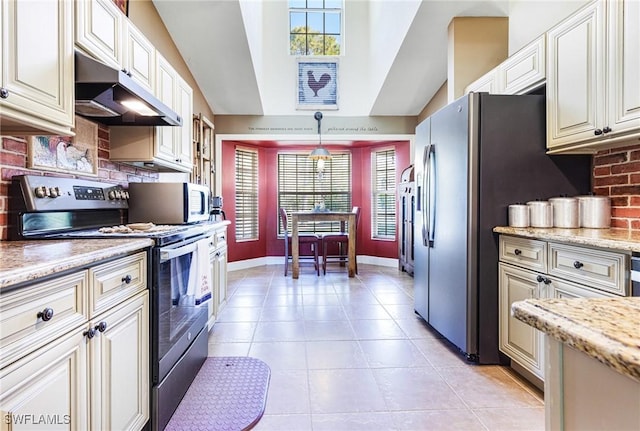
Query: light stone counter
{"x": 23, "y": 261}
{"x": 607, "y": 329}
{"x": 617, "y": 239}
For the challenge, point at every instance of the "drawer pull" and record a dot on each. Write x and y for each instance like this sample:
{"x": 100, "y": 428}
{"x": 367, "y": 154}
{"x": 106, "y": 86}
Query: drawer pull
{"x": 126, "y": 279}
{"x": 90, "y": 333}
{"x": 577, "y": 264}
{"x": 102, "y": 326}
{"x": 517, "y": 252}
{"x": 544, "y": 280}
{"x": 46, "y": 314}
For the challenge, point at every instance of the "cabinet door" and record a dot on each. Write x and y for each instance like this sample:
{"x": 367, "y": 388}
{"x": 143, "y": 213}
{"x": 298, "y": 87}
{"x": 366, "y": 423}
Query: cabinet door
{"x": 49, "y": 385}
{"x": 139, "y": 57}
{"x": 99, "y": 30}
{"x": 485, "y": 84}
{"x": 37, "y": 67}
{"x": 524, "y": 70}
{"x": 166, "y": 82}
{"x": 119, "y": 373}
{"x": 564, "y": 289}
{"x": 220, "y": 271}
{"x": 576, "y": 77}
{"x": 184, "y": 134}
{"x": 521, "y": 342}
{"x": 624, "y": 66}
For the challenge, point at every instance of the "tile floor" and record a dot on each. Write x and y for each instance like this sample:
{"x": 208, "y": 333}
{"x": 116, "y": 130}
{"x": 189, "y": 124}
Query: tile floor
{"x": 350, "y": 354}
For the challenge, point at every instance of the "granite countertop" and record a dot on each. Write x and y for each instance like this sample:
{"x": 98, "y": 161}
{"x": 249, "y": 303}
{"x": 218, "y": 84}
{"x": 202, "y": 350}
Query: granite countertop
{"x": 28, "y": 260}
{"x": 607, "y": 329}
{"x": 618, "y": 239}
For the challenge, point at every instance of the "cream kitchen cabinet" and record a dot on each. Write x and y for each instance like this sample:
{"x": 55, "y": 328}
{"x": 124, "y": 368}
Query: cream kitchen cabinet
{"x": 531, "y": 268}
{"x": 139, "y": 57}
{"x": 165, "y": 148}
{"x": 81, "y": 367}
{"x": 593, "y": 78}
{"x": 487, "y": 83}
{"x": 218, "y": 260}
{"x": 99, "y": 30}
{"x": 523, "y": 71}
{"x": 36, "y": 70}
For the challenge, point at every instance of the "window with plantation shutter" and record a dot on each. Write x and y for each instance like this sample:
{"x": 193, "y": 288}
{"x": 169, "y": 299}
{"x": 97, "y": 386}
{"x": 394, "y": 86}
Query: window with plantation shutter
{"x": 383, "y": 202}
{"x": 246, "y": 194}
{"x": 301, "y": 187}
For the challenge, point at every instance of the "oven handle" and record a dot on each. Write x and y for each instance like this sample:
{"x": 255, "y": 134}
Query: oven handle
{"x": 172, "y": 253}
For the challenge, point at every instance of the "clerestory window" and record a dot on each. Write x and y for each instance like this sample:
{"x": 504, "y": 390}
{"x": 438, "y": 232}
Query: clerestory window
{"x": 315, "y": 27}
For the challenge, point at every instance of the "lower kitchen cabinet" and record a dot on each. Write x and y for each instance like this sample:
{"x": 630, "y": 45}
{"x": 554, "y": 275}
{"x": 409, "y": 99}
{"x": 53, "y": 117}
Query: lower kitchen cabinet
{"x": 218, "y": 262}
{"x": 93, "y": 371}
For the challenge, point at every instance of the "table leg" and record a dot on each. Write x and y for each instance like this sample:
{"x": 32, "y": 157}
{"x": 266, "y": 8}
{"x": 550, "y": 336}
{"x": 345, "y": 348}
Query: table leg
{"x": 295, "y": 248}
{"x": 352, "y": 245}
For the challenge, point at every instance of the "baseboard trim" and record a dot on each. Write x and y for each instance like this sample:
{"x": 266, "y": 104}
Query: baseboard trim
{"x": 277, "y": 260}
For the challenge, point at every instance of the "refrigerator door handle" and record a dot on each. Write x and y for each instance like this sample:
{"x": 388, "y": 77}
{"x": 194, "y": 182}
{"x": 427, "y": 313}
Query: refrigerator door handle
{"x": 431, "y": 163}
{"x": 424, "y": 195}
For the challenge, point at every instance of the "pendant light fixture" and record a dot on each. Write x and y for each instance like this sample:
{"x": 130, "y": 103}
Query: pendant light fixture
{"x": 319, "y": 154}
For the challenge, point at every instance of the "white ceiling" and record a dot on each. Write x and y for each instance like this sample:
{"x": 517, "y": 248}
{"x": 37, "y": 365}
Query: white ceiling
{"x": 232, "y": 50}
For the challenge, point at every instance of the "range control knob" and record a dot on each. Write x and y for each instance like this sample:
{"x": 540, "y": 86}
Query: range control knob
{"x": 125, "y": 194}
{"x": 40, "y": 191}
{"x": 111, "y": 194}
{"x": 54, "y": 192}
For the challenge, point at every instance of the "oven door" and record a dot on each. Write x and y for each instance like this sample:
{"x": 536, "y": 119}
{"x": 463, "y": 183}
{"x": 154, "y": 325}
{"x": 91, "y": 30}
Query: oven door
{"x": 177, "y": 320}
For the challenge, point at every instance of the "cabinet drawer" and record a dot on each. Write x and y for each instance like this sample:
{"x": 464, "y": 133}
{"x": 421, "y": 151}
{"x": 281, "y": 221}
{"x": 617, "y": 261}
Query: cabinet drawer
{"x": 114, "y": 282}
{"x": 565, "y": 289}
{"x": 528, "y": 253}
{"x": 23, "y": 328}
{"x": 604, "y": 270}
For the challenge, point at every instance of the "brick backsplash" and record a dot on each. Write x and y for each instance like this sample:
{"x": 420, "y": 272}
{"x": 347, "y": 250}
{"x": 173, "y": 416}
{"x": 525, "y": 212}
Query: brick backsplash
{"x": 616, "y": 173}
{"x": 13, "y": 161}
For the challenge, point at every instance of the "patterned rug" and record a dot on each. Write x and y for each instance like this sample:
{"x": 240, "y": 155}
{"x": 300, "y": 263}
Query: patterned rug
{"x": 228, "y": 394}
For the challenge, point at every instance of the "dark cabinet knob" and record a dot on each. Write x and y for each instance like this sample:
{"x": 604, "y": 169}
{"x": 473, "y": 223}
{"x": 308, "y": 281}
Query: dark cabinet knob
{"x": 577, "y": 264}
{"x": 597, "y": 132}
{"x": 46, "y": 314}
{"x": 544, "y": 280}
{"x": 517, "y": 252}
{"x": 606, "y": 129}
{"x": 101, "y": 327}
{"x": 4, "y": 93}
{"x": 90, "y": 333}
{"x": 540, "y": 279}
{"x": 126, "y": 279}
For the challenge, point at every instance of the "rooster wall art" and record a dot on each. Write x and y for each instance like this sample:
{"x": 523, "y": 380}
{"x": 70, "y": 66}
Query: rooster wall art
{"x": 317, "y": 84}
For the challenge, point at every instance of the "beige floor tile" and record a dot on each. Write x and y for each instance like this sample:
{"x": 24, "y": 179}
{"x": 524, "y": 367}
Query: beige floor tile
{"x": 301, "y": 422}
{"x": 328, "y": 330}
{"x": 335, "y": 354}
{"x": 283, "y": 300}
{"x": 279, "y": 331}
{"x": 229, "y": 349}
{"x": 344, "y": 391}
{"x": 437, "y": 420}
{"x": 232, "y": 332}
{"x": 281, "y": 355}
{"x": 392, "y": 354}
{"x": 440, "y": 353}
{"x": 353, "y": 422}
{"x": 324, "y": 312}
{"x": 240, "y": 314}
{"x": 237, "y": 300}
{"x": 377, "y": 330}
{"x": 416, "y": 389}
{"x": 288, "y": 392}
{"x": 366, "y": 312}
{"x": 514, "y": 419}
{"x": 282, "y": 313}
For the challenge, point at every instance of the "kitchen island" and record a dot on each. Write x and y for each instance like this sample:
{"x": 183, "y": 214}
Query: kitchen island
{"x": 592, "y": 360}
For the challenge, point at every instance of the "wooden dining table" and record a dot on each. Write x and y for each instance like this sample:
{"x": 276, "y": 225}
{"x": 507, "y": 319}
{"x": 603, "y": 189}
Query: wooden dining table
{"x": 323, "y": 216}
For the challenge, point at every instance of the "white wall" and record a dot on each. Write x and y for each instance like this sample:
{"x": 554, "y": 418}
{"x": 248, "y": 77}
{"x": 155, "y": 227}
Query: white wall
{"x": 528, "y": 19}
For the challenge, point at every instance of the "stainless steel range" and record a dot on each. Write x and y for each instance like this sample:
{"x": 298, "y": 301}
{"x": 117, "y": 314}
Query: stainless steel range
{"x": 67, "y": 208}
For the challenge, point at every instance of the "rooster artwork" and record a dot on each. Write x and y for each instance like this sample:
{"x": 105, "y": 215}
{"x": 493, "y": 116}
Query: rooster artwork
{"x": 317, "y": 84}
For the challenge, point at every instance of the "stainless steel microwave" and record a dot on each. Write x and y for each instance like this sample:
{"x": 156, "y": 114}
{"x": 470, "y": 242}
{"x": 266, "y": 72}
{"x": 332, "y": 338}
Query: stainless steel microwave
{"x": 168, "y": 203}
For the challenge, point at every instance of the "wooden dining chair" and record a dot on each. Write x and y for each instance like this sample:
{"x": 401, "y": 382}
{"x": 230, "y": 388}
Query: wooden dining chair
{"x": 311, "y": 239}
{"x": 341, "y": 241}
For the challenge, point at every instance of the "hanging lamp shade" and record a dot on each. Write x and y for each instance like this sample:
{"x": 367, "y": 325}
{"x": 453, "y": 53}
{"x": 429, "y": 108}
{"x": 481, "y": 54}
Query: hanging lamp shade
{"x": 319, "y": 153}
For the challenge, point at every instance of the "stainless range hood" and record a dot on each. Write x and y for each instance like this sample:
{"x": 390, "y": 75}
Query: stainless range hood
{"x": 103, "y": 91}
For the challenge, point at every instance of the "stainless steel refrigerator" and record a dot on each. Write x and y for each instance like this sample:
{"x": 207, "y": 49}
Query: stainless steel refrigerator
{"x": 473, "y": 158}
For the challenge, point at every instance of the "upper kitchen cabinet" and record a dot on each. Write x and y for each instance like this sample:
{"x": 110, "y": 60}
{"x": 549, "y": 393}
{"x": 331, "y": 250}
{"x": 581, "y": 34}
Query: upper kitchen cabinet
{"x": 524, "y": 71}
{"x": 593, "y": 79}
{"x": 36, "y": 70}
{"x": 99, "y": 30}
{"x": 139, "y": 57}
{"x": 165, "y": 148}
{"x": 487, "y": 83}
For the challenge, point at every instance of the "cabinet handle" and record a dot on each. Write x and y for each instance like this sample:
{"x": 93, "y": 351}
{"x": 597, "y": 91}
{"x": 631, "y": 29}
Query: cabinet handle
{"x": 517, "y": 252}
{"x": 542, "y": 279}
{"x": 577, "y": 264}
{"x": 126, "y": 279}
{"x": 101, "y": 327}
{"x": 607, "y": 129}
{"x": 4, "y": 93}
{"x": 46, "y": 314}
{"x": 597, "y": 132}
{"x": 90, "y": 333}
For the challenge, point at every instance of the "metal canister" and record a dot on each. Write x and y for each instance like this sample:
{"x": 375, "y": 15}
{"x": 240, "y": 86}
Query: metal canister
{"x": 519, "y": 215}
{"x": 595, "y": 211}
{"x": 566, "y": 213}
{"x": 540, "y": 214}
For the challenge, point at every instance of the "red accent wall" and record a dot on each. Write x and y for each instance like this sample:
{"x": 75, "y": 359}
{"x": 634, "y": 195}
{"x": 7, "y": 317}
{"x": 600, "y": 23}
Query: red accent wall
{"x": 268, "y": 243}
{"x": 616, "y": 173}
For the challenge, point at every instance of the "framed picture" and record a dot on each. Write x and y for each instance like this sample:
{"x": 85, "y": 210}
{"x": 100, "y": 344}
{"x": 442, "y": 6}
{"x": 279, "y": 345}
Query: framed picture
{"x": 77, "y": 155}
{"x": 317, "y": 86}
{"x": 123, "y": 5}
